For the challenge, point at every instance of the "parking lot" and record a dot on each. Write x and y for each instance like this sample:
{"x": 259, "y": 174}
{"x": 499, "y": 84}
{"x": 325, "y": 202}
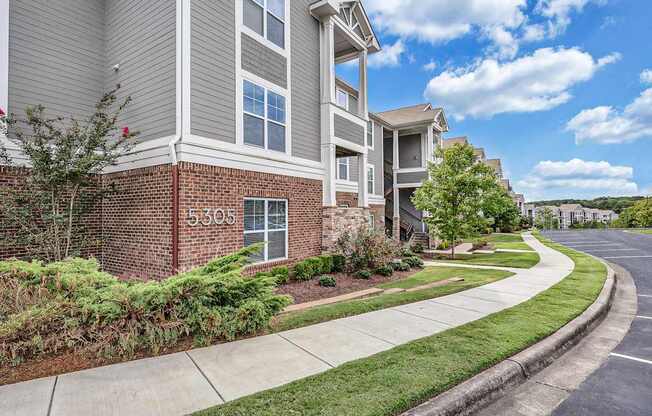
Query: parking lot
{"x": 623, "y": 384}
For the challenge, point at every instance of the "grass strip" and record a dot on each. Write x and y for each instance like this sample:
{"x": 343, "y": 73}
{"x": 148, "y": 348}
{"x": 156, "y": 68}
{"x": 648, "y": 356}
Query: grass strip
{"x": 472, "y": 278}
{"x": 641, "y": 231}
{"x": 394, "y": 381}
{"x": 516, "y": 260}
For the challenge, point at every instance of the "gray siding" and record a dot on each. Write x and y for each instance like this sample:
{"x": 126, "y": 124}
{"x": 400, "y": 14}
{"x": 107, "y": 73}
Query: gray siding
{"x": 409, "y": 151}
{"x": 56, "y": 55}
{"x": 375, "y": 157}
{"x": 413, "y": 177}
{"x": 353, "y": 169}
{"x": 213, "y": 69}
{"x": 306, "y": 127}
{"x": 349, "y": 131}
{"x": 141, "y": 38}
{"x": 264, "y": 62}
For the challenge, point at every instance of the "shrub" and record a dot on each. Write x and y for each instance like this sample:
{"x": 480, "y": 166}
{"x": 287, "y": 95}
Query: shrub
{"x": 364, "y": 274}
{"x": 479, "y": 243}
{"x": 326, "y": 264}
{"x": 417, "y": 248}
{"x": 406, "y": 252}
{"x": 444, "y": 245}
{"x": 281, "y": 274}
{"x": 339, "y": 263}
{"x": 327, "y": 281}
{"x": 316, "y": 265}
{"x": 303, "y": 270}
{"x": 366, "y": 249}
{"x": 385, "y": 271}
{"x": 72, "y": 306}
{"x": 414, "y": 261}
{"x": 400, "y": 266}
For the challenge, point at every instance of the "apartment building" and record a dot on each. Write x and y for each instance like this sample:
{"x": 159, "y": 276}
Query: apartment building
{"x": 569, "y": 215}
{"x": 246, "y": 133}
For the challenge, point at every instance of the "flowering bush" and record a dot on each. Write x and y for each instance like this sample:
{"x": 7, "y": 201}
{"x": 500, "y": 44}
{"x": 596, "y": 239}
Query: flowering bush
{"x": 366, "y": 249}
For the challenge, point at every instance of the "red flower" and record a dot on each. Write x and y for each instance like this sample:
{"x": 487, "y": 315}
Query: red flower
{"x": 125, "y": 132}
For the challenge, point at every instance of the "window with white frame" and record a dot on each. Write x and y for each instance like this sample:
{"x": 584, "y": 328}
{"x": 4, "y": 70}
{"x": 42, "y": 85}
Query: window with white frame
{"x": 342, "y": 99}
{"x": 265, "y": 221}
{"x": 371, "y": 179}
{"x": 370, "y": 134}
{"x": 372, "y": 221}
{"x": 263, "y": 118}
{"x": 267, "y": 18}
{"x": 343, "y": 166}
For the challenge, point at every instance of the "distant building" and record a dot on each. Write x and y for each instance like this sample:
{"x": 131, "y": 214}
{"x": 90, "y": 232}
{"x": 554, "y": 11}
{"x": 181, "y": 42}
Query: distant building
{"x": 572, "y": 214}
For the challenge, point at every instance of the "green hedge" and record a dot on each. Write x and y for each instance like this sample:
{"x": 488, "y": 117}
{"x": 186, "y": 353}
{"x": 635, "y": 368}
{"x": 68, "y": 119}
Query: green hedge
{"x": 316, "y": 266}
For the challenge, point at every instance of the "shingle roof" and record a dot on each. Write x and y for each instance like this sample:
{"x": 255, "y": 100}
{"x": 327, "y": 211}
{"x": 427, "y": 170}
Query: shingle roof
{"x": 408, "y": 115}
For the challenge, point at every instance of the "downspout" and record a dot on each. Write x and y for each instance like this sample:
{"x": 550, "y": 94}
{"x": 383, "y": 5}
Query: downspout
{"x": 175, "y": 203}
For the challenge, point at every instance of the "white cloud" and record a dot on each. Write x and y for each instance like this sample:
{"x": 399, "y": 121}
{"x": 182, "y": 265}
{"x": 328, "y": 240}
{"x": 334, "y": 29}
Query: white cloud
{"x": 388, "y": 56}
{"x": 536, "y": 82}
{"x": 504, "y": 44}
{"x": 443, "y": 20}
{"x": 576, "y": 178}
{"x": 607, "y": 125}
{"x": 646, "y": 76}
{"x": 559, "y": 12}
{"x": 430, "y": 66}
{"x": 533, "y": 33}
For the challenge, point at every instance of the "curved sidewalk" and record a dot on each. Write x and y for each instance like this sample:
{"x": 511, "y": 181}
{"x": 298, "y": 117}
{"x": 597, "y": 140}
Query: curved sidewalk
{"x": 182, "y": 383}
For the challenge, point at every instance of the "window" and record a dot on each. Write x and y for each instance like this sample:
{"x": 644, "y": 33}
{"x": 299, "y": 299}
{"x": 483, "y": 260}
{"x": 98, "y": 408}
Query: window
{"x": 263, "y": 118}
{"x": 370, "y": 134}
{"x": 343, "y": 99}
{"x": 267, "y": 18}
{"x": 265, "y": 220}
{"x": 343, "y": 166}
{"x": 371, "y": 219}
{"x": 371, "y": 180}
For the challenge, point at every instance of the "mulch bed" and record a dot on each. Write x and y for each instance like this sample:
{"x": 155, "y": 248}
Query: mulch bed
{"x": 309, "y": 291}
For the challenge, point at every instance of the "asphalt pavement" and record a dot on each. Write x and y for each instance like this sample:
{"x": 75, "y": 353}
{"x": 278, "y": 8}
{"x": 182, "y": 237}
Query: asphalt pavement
{"x": 623, "y": 384}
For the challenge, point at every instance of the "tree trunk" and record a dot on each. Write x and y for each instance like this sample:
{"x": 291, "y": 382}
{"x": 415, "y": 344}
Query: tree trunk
{"x": 70, "y": 220}
{"x": 453, "y": 250}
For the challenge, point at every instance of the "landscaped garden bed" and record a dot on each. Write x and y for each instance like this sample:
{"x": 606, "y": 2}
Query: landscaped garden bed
{"x": 394, "y": 381}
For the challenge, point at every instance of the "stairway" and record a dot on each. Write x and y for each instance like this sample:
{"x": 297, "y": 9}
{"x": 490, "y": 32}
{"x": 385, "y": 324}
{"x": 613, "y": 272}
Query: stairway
{"x": 421, "y": 238}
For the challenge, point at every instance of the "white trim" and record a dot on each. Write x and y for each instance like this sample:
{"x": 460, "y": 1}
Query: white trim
{"x": 411, "y": 170}
{"x": 348, "y": 145}
{"x": 348, "y": 169}
{"x": 186, "y": 45}
{"x": 408, "y": 185}
{"x": 263, "y": 38}
{"x": 4, "y": 55}
{"x": 337, "y": 101}
{"x": 336, "y": 109}
{"x": 377, "y": 200}
{"x": 267, "y": 230}
{"x": 373, "y": 137}
{"x": 350, "y": 34}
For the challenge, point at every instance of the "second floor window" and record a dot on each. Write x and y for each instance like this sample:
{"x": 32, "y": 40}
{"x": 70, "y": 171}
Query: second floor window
{"x": 267, "y": 18}
{"x": 371, "y": 180}
{"x": 263, "y": 118}
{"x": 343, "y": 99}
{"x": 370, "y": 134}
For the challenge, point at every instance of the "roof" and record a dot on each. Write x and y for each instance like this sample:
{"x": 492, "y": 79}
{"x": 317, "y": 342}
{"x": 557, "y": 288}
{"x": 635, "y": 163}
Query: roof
{"x": 448, "y": 143}
{"x": 479, "y": 152}
{"x": 496, "y": 164}
{"x": 420, "y": 113}
{"x": 570, "y": 207}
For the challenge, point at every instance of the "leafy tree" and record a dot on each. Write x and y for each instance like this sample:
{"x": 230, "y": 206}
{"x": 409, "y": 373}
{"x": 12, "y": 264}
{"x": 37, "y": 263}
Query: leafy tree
{"x": 546, "y": 219}
{"x": 642, "y": 213}
{"x": 500, "y": 209}
{"x": 454, "y": 194}
{"x": 65, "y": 157}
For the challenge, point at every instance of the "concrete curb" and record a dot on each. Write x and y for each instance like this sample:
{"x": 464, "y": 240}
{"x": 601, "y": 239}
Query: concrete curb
{"x": 492, "y": 383}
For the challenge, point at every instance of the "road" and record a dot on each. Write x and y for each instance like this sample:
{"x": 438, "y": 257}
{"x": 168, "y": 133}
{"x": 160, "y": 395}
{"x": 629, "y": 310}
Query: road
{"x": 623, "y": 384}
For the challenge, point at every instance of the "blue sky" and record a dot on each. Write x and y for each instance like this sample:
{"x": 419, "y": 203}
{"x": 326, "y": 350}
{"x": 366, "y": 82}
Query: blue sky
{"x": 556, "y": 88}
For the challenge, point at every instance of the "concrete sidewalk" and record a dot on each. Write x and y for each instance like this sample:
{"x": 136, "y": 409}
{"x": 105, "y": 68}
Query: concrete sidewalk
{"x": 182, "y": 383}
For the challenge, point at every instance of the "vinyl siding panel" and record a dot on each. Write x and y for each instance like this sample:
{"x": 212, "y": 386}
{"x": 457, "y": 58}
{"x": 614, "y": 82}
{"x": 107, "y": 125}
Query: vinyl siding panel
{"x": 412, "y": 177}
{"x": 56, "y": 55}
{"x": 141, "y": 38}
{"x": 409, "y": 151}
{"x": 349, "y": 131}
{"x": 264, "y": 62}
{"x": 213, "y": 69}
{"x": 306, "y": 115}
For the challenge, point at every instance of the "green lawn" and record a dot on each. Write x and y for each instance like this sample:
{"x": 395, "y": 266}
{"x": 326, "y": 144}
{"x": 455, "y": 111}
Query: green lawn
{"x": 518, "y": 260}
{"x": 641, "y": 231}
{"x": 472, "y": 278}
{"x": 512, "y": 241}
{"x": 394, "y": 381}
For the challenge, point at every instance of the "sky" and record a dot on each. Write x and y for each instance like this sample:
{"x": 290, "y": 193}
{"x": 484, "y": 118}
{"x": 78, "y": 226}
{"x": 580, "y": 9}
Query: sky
{"x": 560, "y": 90}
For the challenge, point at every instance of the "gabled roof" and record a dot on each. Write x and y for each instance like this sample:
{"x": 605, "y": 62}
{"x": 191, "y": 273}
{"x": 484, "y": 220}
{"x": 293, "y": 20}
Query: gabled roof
{"x": 448, "y": 143}
{"x": 415, "y": 114}
{"x": 479, "y": 153}
{"x": 353, "y": 15}
{"x": 496, "y": 164}
{"x": 571, "y": 207}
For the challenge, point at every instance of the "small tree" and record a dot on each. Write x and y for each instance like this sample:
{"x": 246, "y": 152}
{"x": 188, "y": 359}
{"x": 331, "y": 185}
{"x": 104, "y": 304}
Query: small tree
{"x": 454, "y": 194}
{"x": 65, "y": 157}
{"x": 499, "y": 207}
{"x": 546, "y": 219}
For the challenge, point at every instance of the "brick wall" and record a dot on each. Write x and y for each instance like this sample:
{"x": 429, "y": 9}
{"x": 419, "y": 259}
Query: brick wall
{"x": 136, "y": 223}
{"x": 13, "y": 182}
{"x": 203, "y": 186}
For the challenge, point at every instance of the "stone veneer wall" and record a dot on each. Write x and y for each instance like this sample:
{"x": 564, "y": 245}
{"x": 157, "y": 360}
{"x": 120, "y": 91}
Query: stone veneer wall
{"x": 351, "y": 200}
{"x": 338, "y": 220}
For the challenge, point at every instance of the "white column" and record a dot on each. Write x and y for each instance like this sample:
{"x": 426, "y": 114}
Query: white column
{"x": 330, "y": 172}
{"x": 397, "y": 203}
{"x": 328, "y": 61}
{"x": 395, "y": 151}
{"x": 397, "y": 211}
{"x": 363, "y": 194}
{"x": 4, "y": 55}
{"x": 431, "y": 146}
{"x": 363, "y": 95}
